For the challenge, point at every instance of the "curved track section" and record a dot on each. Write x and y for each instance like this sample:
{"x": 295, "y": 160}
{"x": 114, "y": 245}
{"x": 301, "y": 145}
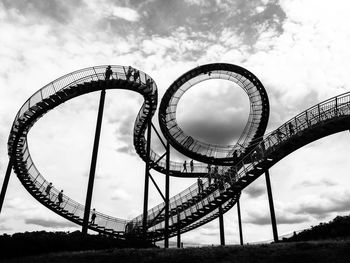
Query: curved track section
{"x": 326, "y": 118}
{"x": 201, "y": 151}
{"x": 190, "y": 208}
{"x": 62, "y": 90}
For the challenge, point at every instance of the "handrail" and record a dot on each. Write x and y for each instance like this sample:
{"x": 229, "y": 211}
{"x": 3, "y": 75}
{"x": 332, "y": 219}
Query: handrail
{"x": 335, "y": 107}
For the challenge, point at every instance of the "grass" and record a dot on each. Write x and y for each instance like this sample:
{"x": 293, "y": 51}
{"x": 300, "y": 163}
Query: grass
{"x": 333, "y": 251}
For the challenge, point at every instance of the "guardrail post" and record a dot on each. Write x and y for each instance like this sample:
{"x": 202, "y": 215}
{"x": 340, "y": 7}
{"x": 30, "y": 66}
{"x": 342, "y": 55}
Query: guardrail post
{"x": 272, "y": 209}
{"x": 221, "y": 223}
{"x": 93, "y": 163}
{"x": 239, "y": 222}
{"x": 336, "y": 106}
{"x": 5, "y": 183}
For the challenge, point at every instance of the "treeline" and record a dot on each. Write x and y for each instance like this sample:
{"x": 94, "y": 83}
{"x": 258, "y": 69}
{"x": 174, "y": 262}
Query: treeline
{"x": 339, "y": 227}
{"x": 41, "y": 242}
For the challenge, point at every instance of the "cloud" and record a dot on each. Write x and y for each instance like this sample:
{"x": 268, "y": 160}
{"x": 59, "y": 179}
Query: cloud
{"x": 125, "y": 13}
{"x": 214, "y": 111}
{"x": 120, "y": 195}
{"x": 212, "y": 17}
{"x": 49, "y": 223}
{"x": 4, "y": 228}
{"x": 265, "y": 219}
{"x": 323, "y": 182}
{"x": 18, "y": 203}
{"x": 289, "y": 45}
{"x": 210, "y": 229}
{"x": 128, "y": 149}
{"x": 328, "y": 203}
{"x": 124, "y": 127}
{"x": 254, "y": 190}
{"x": 56, "y": 10}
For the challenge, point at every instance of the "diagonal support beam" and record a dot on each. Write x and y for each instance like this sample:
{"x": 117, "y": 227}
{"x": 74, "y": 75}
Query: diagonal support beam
{"x": 160, "y": 138}
{"x": 161, "y": 157}
{"x": 93, "y": 163}
{"x": 155, "y": 218}
{"x": 5, "y": 183}
{"x": 155, "y": 184}
{"x": 272, "y": 209}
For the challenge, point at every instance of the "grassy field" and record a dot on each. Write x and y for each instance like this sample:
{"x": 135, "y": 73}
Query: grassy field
{"x": 320, "y": 251}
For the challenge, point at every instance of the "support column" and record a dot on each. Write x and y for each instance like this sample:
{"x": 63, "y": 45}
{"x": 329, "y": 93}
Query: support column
{"x": 145, "y": 198}
{"x": 221, "y": 222}
{"x": 167, "y": 181}
{"x": 239, "y": 223}
{"x": 272, "y": 209}
{"x": 178, "y": 231}
{"x": 93, "y": 163}
{"x": 5, "y": 183}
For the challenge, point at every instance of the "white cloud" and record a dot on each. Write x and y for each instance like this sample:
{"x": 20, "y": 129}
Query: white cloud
{"x": 120, "y": 194}
{"x": 308, "y": 62}
{"x": 125, "y": 13}
{"x": 105, "y": 9}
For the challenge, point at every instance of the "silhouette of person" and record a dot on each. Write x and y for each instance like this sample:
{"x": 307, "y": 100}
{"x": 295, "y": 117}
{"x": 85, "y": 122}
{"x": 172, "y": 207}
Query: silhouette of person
{"x": 221, "y": 185}
{"x": 209, "y": 179}
{"x": 148, "y": 83}
{"x": 108, "y": 73}
{"x": 129, "y": 73}
{"x": 209, "y": 168}
{"x": 200, "y": 185}
{"x": 191, "y": 166}
{"x": 93, "y": 216}
{"x": 216, "y": 169}
{"x": 60, "y": 198}
{"x": 184, "y": 167}
{"x": 129, "y": 227}
{"x": 279, "y": 134}
{"x": 136, "y": 75}
{"x": 254, "y": 156}
{"x": 234, "y": 154}
{"x": 291, "y": 128}
{"x": 48, "y": 189}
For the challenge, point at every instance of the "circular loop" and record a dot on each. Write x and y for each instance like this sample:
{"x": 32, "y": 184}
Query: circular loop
{"x": 209, "y": 153}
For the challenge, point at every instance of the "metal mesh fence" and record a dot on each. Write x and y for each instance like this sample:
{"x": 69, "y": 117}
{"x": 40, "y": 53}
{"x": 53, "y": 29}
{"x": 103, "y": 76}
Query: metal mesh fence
{"x": 332, "y": 108}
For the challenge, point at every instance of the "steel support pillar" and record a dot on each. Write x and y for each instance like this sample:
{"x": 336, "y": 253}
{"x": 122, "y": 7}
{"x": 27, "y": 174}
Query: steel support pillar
{"x": 5, "y": 183}
{"x": 272, "y": 209}
{"x": 167, "y": 181}
{"x": 221, "y": 222}
{"x": 239, "y": 223}
{"x": 178, "y": 231}
{"x": 145, "y": 197}
{"x": 93, "y": 163}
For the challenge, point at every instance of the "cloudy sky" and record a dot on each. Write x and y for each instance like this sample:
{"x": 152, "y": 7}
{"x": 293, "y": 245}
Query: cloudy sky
{"x": 299, "y": 50}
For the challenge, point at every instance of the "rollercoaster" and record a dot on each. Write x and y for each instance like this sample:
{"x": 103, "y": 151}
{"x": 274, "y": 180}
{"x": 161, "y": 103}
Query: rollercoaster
{"x": 236, "y": 165}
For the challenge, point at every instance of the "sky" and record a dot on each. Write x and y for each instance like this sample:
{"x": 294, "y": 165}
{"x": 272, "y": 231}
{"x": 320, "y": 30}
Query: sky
{"x": 299, "y": 50}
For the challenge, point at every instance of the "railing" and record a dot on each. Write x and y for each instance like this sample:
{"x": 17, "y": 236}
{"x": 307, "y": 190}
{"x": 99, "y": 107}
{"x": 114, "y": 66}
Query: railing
{"x": 35, "y": 177}
{"x": 77, "y": 77}
{"x": 186, "y": 142}
{"x": 69, "y": 205}
{"x": 335, "y": 107}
